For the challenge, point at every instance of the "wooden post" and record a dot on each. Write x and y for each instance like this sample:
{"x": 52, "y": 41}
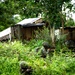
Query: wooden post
{"x": 19, "y": 32}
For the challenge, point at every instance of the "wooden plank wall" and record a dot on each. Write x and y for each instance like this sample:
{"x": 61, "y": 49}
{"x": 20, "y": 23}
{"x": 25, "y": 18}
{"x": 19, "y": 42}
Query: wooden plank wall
{"x": 70, "y": 33}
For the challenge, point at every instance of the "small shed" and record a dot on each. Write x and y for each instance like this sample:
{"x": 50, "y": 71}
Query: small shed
{"x": 22, "y": 30}
{"x": 70, "y": 31}
{"x": 5, "y": 34}
{"x": 25, "y": 31}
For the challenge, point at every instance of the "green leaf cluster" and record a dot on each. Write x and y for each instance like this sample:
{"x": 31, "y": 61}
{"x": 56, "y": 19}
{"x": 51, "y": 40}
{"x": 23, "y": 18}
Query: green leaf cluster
{"x": 50, "y": 10}
{"x": 12, "y": 53}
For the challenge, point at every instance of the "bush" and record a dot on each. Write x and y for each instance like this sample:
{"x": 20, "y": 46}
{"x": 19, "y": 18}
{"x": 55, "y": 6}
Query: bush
{"x": 14, "y": 52}
{"x": 45, "y": 34}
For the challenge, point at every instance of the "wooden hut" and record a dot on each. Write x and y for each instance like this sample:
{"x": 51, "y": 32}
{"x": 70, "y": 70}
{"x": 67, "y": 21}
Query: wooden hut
{"x": 5, "y": 34}
{"x": 22, "y": 30}
{"x": 70, "y": 31}
{"x": 70, "y": 37}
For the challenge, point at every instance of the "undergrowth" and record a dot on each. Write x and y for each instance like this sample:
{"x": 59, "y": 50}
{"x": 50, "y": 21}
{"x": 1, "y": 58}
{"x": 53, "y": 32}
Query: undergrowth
{"x": 12, "y": 53}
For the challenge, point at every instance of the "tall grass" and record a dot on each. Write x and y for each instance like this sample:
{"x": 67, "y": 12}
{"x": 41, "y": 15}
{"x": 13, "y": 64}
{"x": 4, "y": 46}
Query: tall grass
{"x": 12, "y": 53}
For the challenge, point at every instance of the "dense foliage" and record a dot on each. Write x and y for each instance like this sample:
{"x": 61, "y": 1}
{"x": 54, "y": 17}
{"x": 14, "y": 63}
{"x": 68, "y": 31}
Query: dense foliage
{"x": 11, "y": 53}
{"x": 50, "y": 10}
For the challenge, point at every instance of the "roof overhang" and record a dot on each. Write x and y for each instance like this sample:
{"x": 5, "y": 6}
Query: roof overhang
{"x": 32, "y": 25}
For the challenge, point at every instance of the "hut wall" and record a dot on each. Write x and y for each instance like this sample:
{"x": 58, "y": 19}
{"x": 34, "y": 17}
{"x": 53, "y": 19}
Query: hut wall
{"x": 70, "y": 33}
{"x": 73, "y": 32}
{"x": 16, "y": 32}
{"x": 26, "y": 33}
{"x": 66, "y": 31}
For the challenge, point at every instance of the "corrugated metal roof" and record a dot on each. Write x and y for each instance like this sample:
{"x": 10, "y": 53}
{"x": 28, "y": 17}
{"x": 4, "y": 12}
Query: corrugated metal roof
{"x": 29, "y": 20}
{"x": 5, "y": 32}
{"x": 33, "y": 25}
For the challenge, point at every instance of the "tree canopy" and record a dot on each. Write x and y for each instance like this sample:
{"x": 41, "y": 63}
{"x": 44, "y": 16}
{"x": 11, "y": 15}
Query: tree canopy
{"x": 51, "y": 10}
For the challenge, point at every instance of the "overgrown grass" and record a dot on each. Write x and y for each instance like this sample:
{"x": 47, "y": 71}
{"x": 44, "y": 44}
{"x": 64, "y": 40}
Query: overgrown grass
{"x": 12, "y": 53}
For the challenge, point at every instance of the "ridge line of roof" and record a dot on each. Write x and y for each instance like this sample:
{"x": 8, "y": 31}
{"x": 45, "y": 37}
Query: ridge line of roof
{"x": 29, "y": 20}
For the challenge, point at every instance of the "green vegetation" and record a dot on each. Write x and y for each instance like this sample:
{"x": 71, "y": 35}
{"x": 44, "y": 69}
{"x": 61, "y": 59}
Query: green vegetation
{"x": 59, "y": 62}
{"x": 11, "y": 53}
{"x": 50, "y": 10}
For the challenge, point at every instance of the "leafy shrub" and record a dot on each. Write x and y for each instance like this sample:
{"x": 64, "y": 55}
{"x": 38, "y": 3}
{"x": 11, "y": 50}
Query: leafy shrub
{"x": 69, "y": 22}
{"x": 14, "y": 52}
{"x": 34, "y": 43}
{"x": 45, "y": 34}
